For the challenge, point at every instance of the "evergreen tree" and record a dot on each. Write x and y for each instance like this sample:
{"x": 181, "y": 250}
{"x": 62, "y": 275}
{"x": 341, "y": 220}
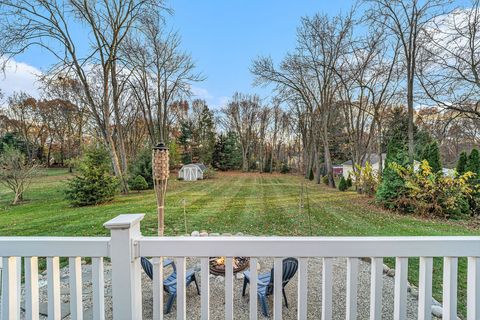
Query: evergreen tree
{"x": 393, "y": 186}
{"x": 142, "y": 166}
{"x": 138, "y": 183}
{"x": 431, "y": 153}
{"x": 226, "y": 153}
{"x": 342, "y": 185}
{"x": 462, "y": 163}
{"x": 311, "y": 176}
{"x": 206, "y": 136}
{"x": 95, "y": 184}
{"x": 473, "y": 163}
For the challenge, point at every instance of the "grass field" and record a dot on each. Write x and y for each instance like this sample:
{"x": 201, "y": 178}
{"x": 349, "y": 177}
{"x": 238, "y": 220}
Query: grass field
{"x": 256, "y": 204}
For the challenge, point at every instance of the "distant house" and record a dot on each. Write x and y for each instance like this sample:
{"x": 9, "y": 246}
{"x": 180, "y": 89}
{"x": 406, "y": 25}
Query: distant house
{"x": 374, "y": 162}
{"x": 337, "y": 170}
{"x": 192, "y": 172}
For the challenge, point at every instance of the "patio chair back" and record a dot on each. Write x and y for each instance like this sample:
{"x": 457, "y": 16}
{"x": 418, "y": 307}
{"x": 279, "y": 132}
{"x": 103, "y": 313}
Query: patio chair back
{"x": 290, "y": 266}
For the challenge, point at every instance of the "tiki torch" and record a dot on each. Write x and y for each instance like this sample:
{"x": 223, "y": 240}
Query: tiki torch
{"x": 160, "y": 172}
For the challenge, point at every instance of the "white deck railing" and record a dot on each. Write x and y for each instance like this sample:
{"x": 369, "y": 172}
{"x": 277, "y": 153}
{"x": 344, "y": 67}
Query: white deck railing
{"x": 126, "y": 246}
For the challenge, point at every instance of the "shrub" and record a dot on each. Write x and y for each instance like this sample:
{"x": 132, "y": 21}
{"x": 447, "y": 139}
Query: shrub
{"x": 210, "y": 173}
{"x": 366, "y": 180}
{"x": 284, "y": 168}
{"x": 473, "y": 163}
{"x": 138, "y": 183}
{"x": 142, "y": 166}
{"x": 430, "y": 193}
{"x": 325, "y": 180}
{"x": 342, "y": 185}
{"x": 462, "y": 163}
{"x": 95, "y": 184}
{"x": 432, "y": 155}
{"x": 349, "y": 181}
{"x": 392, "y": 186}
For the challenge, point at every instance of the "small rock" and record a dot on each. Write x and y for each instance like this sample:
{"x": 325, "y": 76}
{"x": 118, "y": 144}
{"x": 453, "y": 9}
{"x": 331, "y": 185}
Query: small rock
{"x": 227, "y": 234}
{"x": 239, "y": 276}
{"x": 437, "y": 311}
{"x": 391, "y": 273}
{"x": 214, "y": 234}
{"x": 239, "y": 234}
{"x": 436, "y": 303}
{"x": 219, "y": 279}
{"x": 195, "y": 234}
{"x": 414, "y": 292}
{"x": 385, "y": 268}
{"x": 258, "y": 266}
{"x": 203, "y": 234}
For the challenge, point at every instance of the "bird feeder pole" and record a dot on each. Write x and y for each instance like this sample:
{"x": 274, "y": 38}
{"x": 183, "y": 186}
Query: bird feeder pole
{"x": 160, "y": 173}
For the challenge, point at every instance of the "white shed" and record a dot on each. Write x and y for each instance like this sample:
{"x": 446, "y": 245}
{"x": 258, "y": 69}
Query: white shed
{"x": 192, "y": 172}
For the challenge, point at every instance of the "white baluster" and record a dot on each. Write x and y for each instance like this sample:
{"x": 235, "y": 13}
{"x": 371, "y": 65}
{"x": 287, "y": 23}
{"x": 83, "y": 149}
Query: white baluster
{"x": 473, "y": 288}
{"x": 376, "y": 286}
{"x": 205, "y": 296}
{"x": 181, "y": 294}
{"x": 327, "y": 289}
{"x": 401, "y": 284}
{"x": 31, "y": 288}
{"x": 53, "y": 276}
{"x": 98, "y": 289}
{"x": 352, "y": 280}
{"x": 253, "y": 289}
{"x": 76, "y": 308}
{"x": 10, "y": 288}
{"x": 229, "y": 288}
{"x": 302, "y": 288}
{"x": 425, "y": 289}
{"x": 277, "y": 288}
{"x": 157, "y": 288}
{"x": 450, "y": 269}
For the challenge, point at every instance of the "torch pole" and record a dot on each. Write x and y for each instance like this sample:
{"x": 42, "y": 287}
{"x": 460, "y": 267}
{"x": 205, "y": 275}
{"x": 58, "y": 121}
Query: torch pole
{"x": 160, "y": 173}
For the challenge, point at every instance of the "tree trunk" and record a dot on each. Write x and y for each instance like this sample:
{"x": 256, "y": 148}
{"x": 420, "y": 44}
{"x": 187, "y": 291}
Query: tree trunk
{"x": 328, "y": 158}
{"x": 411, "y": 142}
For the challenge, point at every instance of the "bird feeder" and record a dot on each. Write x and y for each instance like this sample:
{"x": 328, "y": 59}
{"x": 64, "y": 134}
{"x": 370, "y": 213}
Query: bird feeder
{"x": 160, "y": 173}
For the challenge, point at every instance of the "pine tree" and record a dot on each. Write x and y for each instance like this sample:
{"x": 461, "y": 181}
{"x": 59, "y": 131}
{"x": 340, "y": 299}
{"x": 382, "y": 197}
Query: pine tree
{"x": 95, "y": 184}
{"x": 473, "y": 163}
{"x": 431, "y": 153}
{"x": 392, "y": 185}
{"x": 462, "y": 163}
{"x": 342, "y": 185}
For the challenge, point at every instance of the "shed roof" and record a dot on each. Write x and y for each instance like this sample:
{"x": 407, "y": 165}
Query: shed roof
{"x": 201, "y": 166}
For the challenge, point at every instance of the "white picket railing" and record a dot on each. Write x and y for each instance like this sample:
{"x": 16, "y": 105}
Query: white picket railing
{"x": 126, "y": 245}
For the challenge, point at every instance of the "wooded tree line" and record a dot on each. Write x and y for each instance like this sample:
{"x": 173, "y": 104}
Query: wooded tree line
{"x": 337, "y": 92}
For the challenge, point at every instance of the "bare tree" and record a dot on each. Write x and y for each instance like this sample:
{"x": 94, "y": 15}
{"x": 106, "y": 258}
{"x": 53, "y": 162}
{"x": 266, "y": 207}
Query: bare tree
{"x": 406, "y": 21}
{"x": 309, "y": 74}
{"x": 15, "y": 172}
{"x": 450, "y": 67}
{"x": 242, "y": 116}
{"x": 48, "y": 24}
{"x": 162, "y": 74}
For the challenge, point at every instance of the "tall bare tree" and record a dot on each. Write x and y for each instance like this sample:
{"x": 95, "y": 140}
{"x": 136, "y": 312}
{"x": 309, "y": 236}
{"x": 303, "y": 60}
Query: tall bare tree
{"x": 450, "y": 69}
{"x": 49, "y": 24}
{"x": 406, "y": 21}
{"x": 242, "y": 116}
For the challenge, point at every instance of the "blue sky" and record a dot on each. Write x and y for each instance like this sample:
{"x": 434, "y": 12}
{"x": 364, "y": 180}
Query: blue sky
{"x": 222, "y": 36}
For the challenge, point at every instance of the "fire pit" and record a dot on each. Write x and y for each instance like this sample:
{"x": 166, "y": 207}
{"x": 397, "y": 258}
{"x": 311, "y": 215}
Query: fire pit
{"x": 217, "y": 265}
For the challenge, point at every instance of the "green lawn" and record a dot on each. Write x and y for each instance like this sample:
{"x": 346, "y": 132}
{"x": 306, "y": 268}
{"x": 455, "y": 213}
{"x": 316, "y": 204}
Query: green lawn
{"x": 257, "y": 204}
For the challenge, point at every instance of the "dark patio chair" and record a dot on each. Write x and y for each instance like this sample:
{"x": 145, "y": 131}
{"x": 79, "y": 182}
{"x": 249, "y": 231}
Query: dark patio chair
{"x": 170, "y": 282}
{"x": 265, "y": 282}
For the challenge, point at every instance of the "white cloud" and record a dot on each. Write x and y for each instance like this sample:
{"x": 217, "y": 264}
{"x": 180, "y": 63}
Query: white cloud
{"x": 213, "y": 101}
{"x": 20, "y": 76}
{"x": 201, "y": 93}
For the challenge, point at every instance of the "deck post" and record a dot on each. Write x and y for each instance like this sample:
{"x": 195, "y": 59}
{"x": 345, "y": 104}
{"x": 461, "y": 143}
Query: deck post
{"x": 126, "y": 268}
